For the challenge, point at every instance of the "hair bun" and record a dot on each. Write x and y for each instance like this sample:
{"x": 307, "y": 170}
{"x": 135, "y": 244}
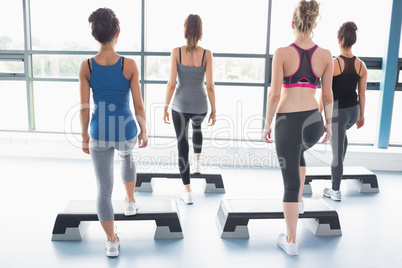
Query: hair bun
{"x": 305, "y": 15}
{"x": 350, "y": 26}
{"x": 104, "y": 24}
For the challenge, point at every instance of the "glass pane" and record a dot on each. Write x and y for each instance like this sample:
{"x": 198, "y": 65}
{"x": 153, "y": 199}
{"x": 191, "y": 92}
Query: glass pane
{"x": 225, "y": 69}
{"x": 74, "y": 32}
{"x": 57, "y": 65}
{"x": 368, "y": 132}
{"x": 228, "y": 26}
{"x": 57, "y": 106}
{"x": 11, "y": 67}
{"x": 239, "y": 70}
{"x": 62, "y": 66}
{"x": 396, "y": 127}
{"x": 158, "y": 68}
{"x": 374, "y": 75}
{"x": 332, "y": 15}
{"x": 239, "y": 115}
{"x": 13, "y": 105}
{"x": 155, "y": 102}
{"x": 12, "y": 30}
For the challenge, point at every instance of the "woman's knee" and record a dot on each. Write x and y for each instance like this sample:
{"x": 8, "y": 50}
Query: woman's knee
{"x": 291, "y": 195}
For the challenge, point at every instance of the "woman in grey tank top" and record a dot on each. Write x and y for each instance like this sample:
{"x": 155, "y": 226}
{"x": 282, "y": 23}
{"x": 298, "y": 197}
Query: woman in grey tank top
{"x": 190, "y": 64}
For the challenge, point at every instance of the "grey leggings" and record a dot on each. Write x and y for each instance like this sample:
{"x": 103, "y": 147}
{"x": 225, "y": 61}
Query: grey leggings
{"x": 295, "y": 133}
{"x": 102, "y": 155}
{"x": 342, "y": 119}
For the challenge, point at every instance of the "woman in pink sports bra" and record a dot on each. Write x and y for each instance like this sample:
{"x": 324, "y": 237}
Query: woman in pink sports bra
{"x": 296, "y": 72}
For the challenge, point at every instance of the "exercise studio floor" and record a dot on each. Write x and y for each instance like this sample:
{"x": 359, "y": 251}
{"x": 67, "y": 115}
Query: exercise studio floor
{"x": 33, "y": 191}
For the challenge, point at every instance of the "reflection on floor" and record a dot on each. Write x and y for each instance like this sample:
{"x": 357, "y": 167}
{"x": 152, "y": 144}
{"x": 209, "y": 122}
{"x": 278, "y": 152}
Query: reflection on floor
{"x": 33, "y": 191}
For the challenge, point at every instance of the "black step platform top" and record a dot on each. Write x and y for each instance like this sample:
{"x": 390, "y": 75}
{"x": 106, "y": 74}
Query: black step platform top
{"x": 349, "y": 172}
{"x": 163, "y": 211}
{"x": 209, "y": 178}
{"x": 145, "y": 207}
{"x": 273, "y": 208}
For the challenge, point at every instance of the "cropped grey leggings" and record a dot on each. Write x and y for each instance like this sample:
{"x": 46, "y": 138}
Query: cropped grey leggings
{"x": 342, "y": 120}
{"x": 295, "y": 133}
{"x": 102, "y": 155}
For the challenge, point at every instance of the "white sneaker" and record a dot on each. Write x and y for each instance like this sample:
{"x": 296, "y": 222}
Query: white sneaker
{"x": 290, "y": 248}
{"x": 301, "y": 207}
{"x": 334, "y": 195}
{"x": 130, "y": 208}
{"x": 112, "y": 248}
{"x": 187, "y": 197}
{"x": 197, "y": 167}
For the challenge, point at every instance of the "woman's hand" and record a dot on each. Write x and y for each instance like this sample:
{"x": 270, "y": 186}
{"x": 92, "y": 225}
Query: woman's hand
{"x": 212, "y": 119}
{"x": 266, "y": 134}
{"x": 328, "y": 131}
{"x": 142, "y": 140}
{"x": 166, "y": 116}
{"x": 85, "y": 143}
{"x": 360, "y": 122}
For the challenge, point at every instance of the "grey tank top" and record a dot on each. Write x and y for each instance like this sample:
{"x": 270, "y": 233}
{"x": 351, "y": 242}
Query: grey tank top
{"x": 190, "y": 95}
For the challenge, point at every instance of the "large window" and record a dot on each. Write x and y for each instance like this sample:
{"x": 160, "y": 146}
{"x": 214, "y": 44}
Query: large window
{"x": 44, "y": 80}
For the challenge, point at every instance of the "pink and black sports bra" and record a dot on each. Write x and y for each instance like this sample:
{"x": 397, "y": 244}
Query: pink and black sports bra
{"x": 304, "y": 76}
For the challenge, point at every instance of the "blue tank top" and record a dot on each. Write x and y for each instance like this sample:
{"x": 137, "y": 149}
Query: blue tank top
{"x": 305, "y": 71}
{"x": 112, "y": 119}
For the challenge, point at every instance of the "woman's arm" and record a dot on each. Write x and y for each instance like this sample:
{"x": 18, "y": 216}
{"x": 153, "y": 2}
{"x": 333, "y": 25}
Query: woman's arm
{"x": 138, "y": 104}
{"x": 361, "y": 91}
{"x": 210, "y": 88}
{"x": 84, "y": 76}
{"x": 326, "y": 95}
{"x": 274, "y": 94}
{"x": 171, "y": 86}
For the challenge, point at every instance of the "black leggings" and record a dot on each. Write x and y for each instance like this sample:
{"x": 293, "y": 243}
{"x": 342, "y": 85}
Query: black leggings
{"x": 342, "y": 119}
{"x": 295, "y": 133}
{"x": 181, "y": 122}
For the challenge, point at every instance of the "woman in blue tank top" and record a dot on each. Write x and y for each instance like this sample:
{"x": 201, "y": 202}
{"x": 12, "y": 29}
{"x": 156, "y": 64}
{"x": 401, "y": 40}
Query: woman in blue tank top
{"x": 112, "y": 127}
{"x": 190, "y": 63}
{"x": 349, "y": 73}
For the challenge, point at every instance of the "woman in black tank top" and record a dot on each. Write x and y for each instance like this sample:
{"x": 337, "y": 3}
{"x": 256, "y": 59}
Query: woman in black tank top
{"x": 349, "y": 73}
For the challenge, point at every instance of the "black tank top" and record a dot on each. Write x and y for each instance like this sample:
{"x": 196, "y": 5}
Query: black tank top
{"x": 344, "y": 85}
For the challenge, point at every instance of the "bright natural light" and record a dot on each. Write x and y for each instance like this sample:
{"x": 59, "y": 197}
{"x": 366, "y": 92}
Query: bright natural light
{"x": 62, "y": 40}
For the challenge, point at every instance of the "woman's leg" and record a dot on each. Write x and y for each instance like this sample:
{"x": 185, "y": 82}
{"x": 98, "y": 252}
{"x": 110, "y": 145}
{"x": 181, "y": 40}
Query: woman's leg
{"x": 291, "y": 179}
{"x": 288, "y": 147}
{"x": 103, "y": 166}
{"x": 180, "y": 122}
{"x": 338, "y": 145}
{"x": 128, "y": 170}
{"x": 354, "y": 113}
{"x": 197, "y": 137}
{"x": 302, "y": 171}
